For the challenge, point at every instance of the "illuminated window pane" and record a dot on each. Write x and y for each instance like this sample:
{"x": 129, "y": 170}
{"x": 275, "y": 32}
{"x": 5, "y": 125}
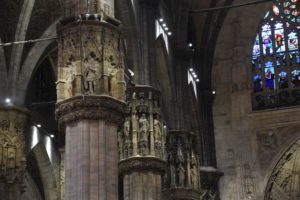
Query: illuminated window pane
{"x": 275, "y": 57}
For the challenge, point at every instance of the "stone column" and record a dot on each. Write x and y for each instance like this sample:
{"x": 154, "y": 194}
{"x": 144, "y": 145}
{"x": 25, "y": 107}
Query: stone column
{"x": 141, "y": 143}
{"x": 91, "y": 154}
{"x": 90, "y": 92}
{"x": 13, "y": 121}
{"x": 62, "y": 173}
{"x": 182, "y": 180}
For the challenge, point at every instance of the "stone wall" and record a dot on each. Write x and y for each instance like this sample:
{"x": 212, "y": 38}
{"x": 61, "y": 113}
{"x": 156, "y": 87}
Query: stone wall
{"x": 248, "y": 143}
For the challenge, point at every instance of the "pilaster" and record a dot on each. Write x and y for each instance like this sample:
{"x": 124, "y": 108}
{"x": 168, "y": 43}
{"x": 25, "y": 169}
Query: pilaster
{"x": 13, "y": 121}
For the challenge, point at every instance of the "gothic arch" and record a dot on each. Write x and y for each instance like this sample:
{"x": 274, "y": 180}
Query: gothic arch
{"x": 30, "y": 64}
{"x": 283, "y": 182}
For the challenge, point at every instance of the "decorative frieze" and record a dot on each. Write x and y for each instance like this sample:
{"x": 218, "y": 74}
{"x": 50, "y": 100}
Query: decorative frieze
{"x": 90, "y": 61}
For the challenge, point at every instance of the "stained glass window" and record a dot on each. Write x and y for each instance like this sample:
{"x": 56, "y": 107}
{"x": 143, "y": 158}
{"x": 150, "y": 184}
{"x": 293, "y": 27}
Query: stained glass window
{"x": 275, "y": 57}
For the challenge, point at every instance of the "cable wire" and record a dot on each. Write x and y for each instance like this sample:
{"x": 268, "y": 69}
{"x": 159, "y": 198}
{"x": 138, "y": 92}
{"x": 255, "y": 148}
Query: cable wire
{"x": 26, "y": 41}
{"x": 228, "y": 7}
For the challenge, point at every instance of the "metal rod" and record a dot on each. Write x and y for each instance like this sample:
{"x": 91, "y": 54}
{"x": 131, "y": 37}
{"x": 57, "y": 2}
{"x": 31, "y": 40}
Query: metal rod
{"x": 228, "y": 7}
{"x": 25, "y": 41}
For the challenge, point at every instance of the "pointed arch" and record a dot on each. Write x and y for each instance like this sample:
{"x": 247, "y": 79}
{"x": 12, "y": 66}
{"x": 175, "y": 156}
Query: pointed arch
{"x": 30, "y": 64}
{"x": 283, "y": 182}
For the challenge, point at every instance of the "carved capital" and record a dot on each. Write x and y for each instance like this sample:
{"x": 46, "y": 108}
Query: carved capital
{"x": 90, "y": 107}
{"x": 142, "y": 164}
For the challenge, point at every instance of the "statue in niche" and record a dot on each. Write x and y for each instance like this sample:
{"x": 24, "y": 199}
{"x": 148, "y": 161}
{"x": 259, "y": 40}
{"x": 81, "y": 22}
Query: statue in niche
{"x": 156, "y": 128}
{"x": 143, "y": 128}
{"x": 181, "y": 175}
{"x": 143, "y": 148}
{"x": 69, "y": 76}
{"x": 194, "y": 177}
{"x": 11, "y": 158}
{"x": 180, "y": 156}
{"x": 90, "y": 73}
{"x": 69, "y": 80}
{"x": 112, "y": 73}
{"x": 126, "y": 129}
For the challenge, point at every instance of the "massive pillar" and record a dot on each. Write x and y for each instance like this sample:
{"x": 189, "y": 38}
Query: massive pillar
{"x": 141, "y": 145}
{"x": 12, "y": 158}
{"x": 182, "y": 180}
{"x": 90, "y": 92}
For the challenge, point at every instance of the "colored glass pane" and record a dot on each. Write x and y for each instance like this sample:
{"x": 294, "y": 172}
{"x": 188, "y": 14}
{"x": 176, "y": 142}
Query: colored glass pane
{"x": 257, "y": 83}
{"x": 295, "y": 78}
{"x": 275, "y": 57}
{"x": 292, "y": 41}
{"x": 282, "y": 80}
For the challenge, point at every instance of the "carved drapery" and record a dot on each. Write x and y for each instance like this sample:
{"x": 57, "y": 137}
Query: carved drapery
{"x": 182, "y": 178}
{"x": 12, "y": 159}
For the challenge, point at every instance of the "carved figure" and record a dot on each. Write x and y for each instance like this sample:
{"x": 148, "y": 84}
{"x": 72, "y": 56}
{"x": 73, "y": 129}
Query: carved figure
{"x": 144, "y": 128}
{"x": 90, "y": 73}
{"x": 126, "y": 129}
{"x": 194, "y": 177}
{"x": 70, "y": 77}
{"x": 181, "y": 176}
{"x": 157, "y": 129}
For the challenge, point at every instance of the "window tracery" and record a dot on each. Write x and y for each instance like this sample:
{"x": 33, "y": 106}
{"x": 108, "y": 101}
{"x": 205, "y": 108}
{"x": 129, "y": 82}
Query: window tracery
{"x": 275, "y": 57}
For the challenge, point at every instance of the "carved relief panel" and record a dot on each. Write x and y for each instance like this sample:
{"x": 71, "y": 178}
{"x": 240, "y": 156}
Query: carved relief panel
{"x": 90, "y": 61}
{"x": 12, "y": 159}
{"x": 183, "y": 161}
{"x": 142, "y": 133}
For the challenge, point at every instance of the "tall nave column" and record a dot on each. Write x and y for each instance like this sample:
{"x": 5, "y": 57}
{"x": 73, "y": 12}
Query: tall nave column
{"x": 141, "y": 145}
{"x": 90, "y": 92}
{"x": 12, "y": 156}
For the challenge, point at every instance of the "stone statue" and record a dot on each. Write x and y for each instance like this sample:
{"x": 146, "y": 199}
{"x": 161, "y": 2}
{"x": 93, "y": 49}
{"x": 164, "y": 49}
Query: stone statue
{"x": 143, "y": 128}
{"x": 157, "y": 129}
{"x": 70, "y": 77}
{"x": 194, "y": 177}
{"x": 181, "y": 175}
{"x": 126, "y": 129}
{"x": 90, "y": 73}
